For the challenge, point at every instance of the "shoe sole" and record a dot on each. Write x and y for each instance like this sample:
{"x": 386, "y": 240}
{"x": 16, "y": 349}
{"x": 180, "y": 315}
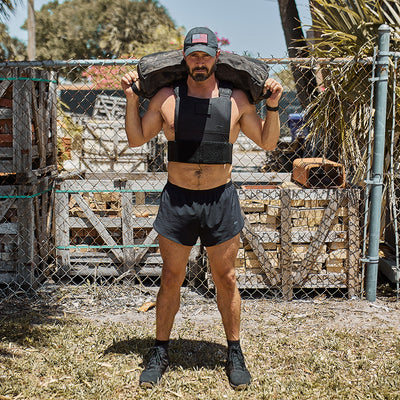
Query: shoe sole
{"x": 150, "y": 385}
{"x": 240, "y": 387}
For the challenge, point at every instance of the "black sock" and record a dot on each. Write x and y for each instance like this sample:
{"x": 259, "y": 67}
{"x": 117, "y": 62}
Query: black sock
{"x": 233, "y": 344}
{"x": 162, "y": 343}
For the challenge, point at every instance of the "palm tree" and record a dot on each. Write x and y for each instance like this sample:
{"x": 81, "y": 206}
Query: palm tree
{"x": 297, "y": 48}
{"x": 31, "y": 31}
{"x": 7, "y": 7}
{"x": 10, "y": 48}
{"x": 340, "y": 114}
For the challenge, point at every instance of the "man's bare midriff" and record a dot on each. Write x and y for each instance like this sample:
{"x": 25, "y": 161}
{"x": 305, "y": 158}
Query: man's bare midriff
{"x": 199, "y": 176}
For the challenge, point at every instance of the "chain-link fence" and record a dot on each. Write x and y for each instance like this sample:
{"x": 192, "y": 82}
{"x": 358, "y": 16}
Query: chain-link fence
{"x": 77, "y": 203}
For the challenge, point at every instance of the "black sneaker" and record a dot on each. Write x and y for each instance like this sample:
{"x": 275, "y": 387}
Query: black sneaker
{"x": 156, "y": 366}
{"x": 239, "y": 376}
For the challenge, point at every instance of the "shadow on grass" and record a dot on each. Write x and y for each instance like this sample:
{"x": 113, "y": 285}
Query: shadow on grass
{"x": 25, "y": 329}
{"x": 184, "y": 353}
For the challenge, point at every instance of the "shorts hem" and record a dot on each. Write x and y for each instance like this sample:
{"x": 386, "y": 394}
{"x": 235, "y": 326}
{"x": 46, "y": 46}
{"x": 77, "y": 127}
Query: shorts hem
{"x": 233, "y": 234}
{"x": 171, "y": 237}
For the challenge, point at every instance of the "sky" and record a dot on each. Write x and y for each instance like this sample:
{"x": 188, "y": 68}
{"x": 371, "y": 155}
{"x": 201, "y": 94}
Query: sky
{"x": 253, "y": 27}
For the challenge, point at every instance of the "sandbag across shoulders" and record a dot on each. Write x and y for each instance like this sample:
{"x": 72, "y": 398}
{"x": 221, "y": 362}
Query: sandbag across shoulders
{"x": 163, "y": 69}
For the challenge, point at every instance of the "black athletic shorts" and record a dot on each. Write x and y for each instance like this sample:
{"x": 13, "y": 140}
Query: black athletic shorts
{"x": 184, "y": 215}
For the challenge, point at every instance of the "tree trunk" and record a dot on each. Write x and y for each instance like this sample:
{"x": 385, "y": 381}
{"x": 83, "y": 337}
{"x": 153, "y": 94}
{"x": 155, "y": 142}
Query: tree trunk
{"x": 296, "y": 46}
{"x": 31, "y": 31}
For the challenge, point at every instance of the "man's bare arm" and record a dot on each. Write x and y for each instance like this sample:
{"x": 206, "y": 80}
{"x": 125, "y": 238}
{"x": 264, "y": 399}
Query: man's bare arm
{"x": 139, "y": 130}
{"x": 265, "y": 133}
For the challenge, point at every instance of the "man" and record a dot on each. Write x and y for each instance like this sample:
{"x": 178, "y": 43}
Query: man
{"x": 201, "y": 118}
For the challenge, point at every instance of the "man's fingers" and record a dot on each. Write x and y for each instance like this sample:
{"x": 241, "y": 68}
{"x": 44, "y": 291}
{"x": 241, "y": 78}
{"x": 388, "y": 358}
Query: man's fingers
{"x": 128, "y": 80}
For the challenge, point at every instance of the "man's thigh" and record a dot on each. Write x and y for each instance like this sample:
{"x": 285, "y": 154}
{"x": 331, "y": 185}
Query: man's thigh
{"x": 175, "y": 255}
{"x": 222, "y": 256}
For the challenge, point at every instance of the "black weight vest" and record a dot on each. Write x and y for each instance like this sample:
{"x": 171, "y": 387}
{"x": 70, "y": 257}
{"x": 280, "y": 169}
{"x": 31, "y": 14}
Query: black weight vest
{"x": 202, "y": 127}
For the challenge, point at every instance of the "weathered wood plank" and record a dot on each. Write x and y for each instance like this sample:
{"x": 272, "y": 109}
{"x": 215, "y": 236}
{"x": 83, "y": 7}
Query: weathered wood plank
{"x": 95, "y": 221}
{"x": 150, "y": 239}
{"x": 286, "y": 245}
{"x": 62, "y": 229}
{"x": 259, "y": 194}
{"x": 39, "y": 111}
{"x": 258, "y": 249}
{"x": 320, "y": 236}
{"x": 26, "y": 238}
{"x": 6, "y": 113}
{"x": 53, "y": 116}
{"x": 112, "y": 185}
{"x": 127, "y": 230}
{"x": 112, "y": 222}
{"x": 22, "y": 134}
{"x": 4, "y": 85}
{"x": 7, "y": 277}
{"x": 6, "y": 204}
{"x": 353, "y": 262}
{"x": 43, "y": 210}
{"x": 8, "y": 228}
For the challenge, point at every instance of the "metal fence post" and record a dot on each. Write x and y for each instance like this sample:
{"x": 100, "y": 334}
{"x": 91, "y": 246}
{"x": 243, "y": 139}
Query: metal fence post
{"x": 377, "y": 164}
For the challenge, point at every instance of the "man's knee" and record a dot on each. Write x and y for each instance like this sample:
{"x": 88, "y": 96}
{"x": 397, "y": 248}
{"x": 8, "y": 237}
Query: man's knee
{"x": 172, "y": 278}
{"x": 225, "y": 279}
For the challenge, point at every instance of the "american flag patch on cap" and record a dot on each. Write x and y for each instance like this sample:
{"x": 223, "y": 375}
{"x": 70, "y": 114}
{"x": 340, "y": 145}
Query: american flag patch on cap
{"x": 199, "y": 38}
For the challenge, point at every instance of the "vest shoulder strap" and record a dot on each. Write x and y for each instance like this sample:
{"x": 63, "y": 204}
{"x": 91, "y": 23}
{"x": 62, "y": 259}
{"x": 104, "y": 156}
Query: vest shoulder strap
{"x": 225, "y": 89}
{"x": 180, "y": 89}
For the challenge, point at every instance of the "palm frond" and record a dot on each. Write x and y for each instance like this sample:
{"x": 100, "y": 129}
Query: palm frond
{"x": 339, "y": 115}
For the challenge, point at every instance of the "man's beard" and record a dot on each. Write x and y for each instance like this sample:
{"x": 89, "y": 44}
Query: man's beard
{"x": 204, "y": 73}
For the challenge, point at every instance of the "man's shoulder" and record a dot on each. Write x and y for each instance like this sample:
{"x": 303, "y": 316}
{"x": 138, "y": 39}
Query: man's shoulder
{"x": 163, "y": 95}
{"x": 240, "y": 97}
{"x": 164, "y": 92}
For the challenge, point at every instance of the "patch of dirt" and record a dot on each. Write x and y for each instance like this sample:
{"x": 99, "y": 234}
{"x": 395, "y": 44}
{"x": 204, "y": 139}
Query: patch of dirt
{"x": 122, "y": 306}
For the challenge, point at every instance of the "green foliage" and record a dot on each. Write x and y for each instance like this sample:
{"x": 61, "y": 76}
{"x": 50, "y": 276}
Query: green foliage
{"x": 10, "y": 48}
{"x": 340, "y": 114}
{"x": 7, "y": 7}
{"x": 138, "y": 28}
{"x": 350, "y": 28}
{"x": 86, "y": 29}
{"x": 286, "y": 78}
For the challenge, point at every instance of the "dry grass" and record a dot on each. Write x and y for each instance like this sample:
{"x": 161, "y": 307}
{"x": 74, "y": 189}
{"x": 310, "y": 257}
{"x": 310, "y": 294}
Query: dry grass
{"x": 299, "y": 350}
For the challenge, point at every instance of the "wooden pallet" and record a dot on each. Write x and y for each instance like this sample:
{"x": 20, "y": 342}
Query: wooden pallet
{"x": 299, "y": 238}
{"x": 26, "y": 243}
{"x": 28, "y": 164}
{"x": 28, "y": 127}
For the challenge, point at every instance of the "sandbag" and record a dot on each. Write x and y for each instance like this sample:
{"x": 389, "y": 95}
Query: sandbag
{"x": 162, "y": 69}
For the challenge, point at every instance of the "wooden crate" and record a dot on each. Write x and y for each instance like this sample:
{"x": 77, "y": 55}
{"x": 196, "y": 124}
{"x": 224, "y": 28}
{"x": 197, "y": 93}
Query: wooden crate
{"x": 26, "y": 243}
{"x": 105, "y": 148}
{"x": 105, "y": 228}
{"x": 28, "y": 128}
{"x": 299, "y": 238}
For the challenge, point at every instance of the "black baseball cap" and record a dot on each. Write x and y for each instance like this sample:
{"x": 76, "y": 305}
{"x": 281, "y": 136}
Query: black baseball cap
{"x": 201, "y": 39}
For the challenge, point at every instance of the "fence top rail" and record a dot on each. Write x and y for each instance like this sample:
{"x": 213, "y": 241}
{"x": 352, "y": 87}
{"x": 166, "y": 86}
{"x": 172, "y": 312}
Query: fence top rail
{"x": 75, "y": 63}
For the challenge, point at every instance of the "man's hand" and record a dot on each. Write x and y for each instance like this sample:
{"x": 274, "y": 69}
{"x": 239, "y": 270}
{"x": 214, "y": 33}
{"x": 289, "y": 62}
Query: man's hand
{"x": 276, "y": 90}
{"x": 126, "y": 83}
